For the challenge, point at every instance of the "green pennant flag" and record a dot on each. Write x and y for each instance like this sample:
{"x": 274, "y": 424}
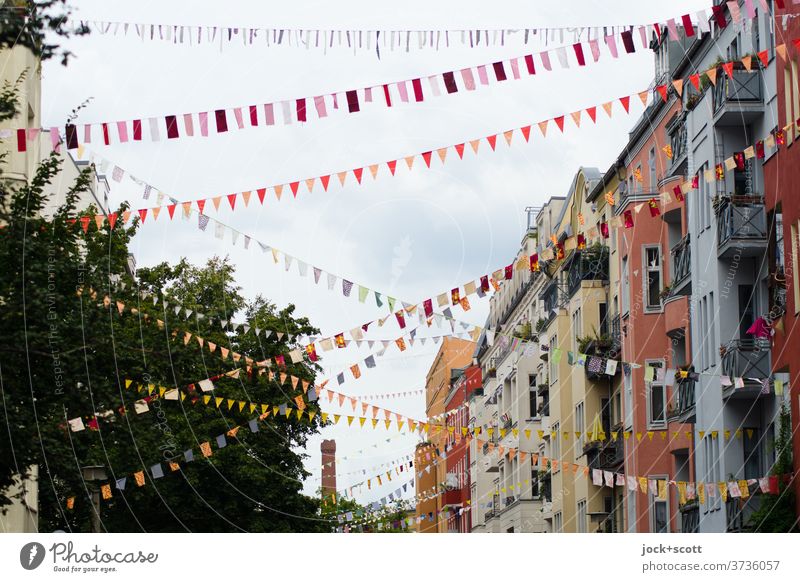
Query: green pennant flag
{"x": 362, "y": 294}
{"x": 391, "y": 301}
{"x": 378, "y": 299}
{"x": 556, "y": 355}
{"x": 570, "y": 358}
{"x": 649, "y": 372}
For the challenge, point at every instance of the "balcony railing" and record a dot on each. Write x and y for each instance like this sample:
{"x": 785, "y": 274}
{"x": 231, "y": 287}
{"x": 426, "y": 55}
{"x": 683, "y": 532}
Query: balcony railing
{"x": 510, "y": 500}
{"x": 741, "y": 225}
{"x": 682, "y": 404}
{"x": 553, "y": 297}
{"x": 587, "y": 265}
{"x": 517, "y": 298}
{"x": 744, "y": 88}
{"x": 607, "y": 455}
{"x": 690, "y": 517}
{"x": 679, "y": 139}
{"x": 738, "y": 512}
{"x": 746, "y": 358}
{"x": 681, "y": 265}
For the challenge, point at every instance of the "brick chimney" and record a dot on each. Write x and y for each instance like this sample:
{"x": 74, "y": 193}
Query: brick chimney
{"x": 328, "y": 448}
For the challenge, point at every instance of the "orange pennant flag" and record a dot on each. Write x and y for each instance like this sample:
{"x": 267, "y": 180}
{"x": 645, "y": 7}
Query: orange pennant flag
{"x": 508, "y": 135}
{"x": 576, "y": 117}
{"x": 607, "y": 108}
{"x": 409, "y": 161}
{"x": 442, "y": 153}
{"x": 543, "y": 127}
{"x": 475, "y": 143}
{"x": 373, "y": 169}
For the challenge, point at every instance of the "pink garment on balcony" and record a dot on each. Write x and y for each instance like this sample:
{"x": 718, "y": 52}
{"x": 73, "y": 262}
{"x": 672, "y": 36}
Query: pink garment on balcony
{"x": 760, "y": 329}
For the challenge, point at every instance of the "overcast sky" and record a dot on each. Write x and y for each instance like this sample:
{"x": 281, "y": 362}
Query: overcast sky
{"x": 415, "y": 235}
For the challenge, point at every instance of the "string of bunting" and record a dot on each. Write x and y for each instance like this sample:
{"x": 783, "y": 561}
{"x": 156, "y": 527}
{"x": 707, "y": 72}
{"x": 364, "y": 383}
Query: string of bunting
{"x": 360, "y": 40}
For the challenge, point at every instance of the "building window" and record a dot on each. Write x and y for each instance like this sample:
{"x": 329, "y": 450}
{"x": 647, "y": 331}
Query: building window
{"x": 557, "y": 523}
{"x": 628, "y": 382}
{"x": 577, "y": 328}
{"x": 580, "y": 427}
{"x": 533, "y": 396}
{"x": 626, "y": 286}
{"x": 553, "y": 365}
{"x": 602, "y": 311}
{"x": 712, "y": 469}
{"x": 659, "y": 510}
{"x": 581, "y": 516}
{"x": 631, "y": 507}
{"x": 656, "y": 397}
{"x": 752, "y": 453}
{"x": 651, "y": 165}
{"x": 556, "y": 438}
{"x": 652, "y": 279}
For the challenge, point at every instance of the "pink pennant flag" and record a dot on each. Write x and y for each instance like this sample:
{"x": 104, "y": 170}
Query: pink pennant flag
{"x": 483, "y": 76}
{"x": 203, "y": 124}
{"x": 87, "y": 133}
{"x": 611, "y": 41}
{"x": 594, "y": 46}
{"x": 188, "y": 124}
{"x": 237, "y": 113}
{"x": 401, "y": 88}
{"x": 54, "y": 138}
{"x": 733, "y": 7}
{"x": 515, "y": 68}
{"x": 643, "y": 36}
{"x": 122, "y": 130}
{"x": 469, "y": 80}
{"x": 750, "y": 8}
{"x": 673, "y": 29}
{"x": 319, "y": 104}
{"x": 545, "y": 56}
{"x": 269, "y": 114}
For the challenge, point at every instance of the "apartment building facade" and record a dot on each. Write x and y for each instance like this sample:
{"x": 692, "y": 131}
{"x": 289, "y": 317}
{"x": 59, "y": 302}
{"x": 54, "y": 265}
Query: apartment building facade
{"x": 782, "y": 199}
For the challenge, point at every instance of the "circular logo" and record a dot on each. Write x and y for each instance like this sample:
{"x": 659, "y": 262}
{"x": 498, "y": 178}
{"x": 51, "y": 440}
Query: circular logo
{"x": 31, "y": 555}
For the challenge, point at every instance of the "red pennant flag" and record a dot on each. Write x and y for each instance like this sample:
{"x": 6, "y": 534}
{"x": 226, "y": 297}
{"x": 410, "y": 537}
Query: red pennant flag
{"x": 171, "y": 210}
{"x": 172, "y": 126}
{"x": 719, "y": 15}
{"x": 626, "y": 103}
{"x": 592, "y": 112}
{"x": 427, "y": 305}
{"x": 312, "y": 352}
{"x": 695, "y": 79}
{"x": 687, "y": 25}
{"x": 294, "y": 186}
{"x": 200, "y": 205}
{"x": 485, "y": 283}
{"x": 261, "y": 193}
{"x": 654, "y": 210}
{"x": 492, "y": 139}
{"x": 358, "y": 172}
{"x": 509, "y": 272}
{"x": 22, "y": 143}
{"x": 455, "y": 295}
{"x": 579, "y": 54}
{"x": 85, "y": 223}
{"x": 112, "y": 220}
{"x": 222, "y": 120}
{"x": 460, "y": 150}
{"x": 662, "y": 90}
{"x": 728, "y": 68}
{"x": 392, "y": 166}
{"x": 232, "y": 200}
{"x": 143, "y": 214}
{"x": 529, "y": 64}
{"x": 526, "y": 133}
{"x": 763, "y": 56}
{"x": 417, "y": 85}
{"x": 105, "y": 134}
{"x": 253, "y": 115}
{"x": 401, "y": 320}
{"x": 137, "y": 130}
{"x": 534, "y": 260}
{"x": 325, "y": 180}
{"x": 427, "y": 157}
{"x": 560, "y": 122}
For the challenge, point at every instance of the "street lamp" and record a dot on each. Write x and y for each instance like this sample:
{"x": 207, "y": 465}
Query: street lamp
{"x": 91, "y": 475}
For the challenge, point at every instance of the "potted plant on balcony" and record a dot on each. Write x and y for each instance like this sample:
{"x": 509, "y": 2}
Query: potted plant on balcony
{"x": 666, "y": 292}
{"x": 492, "y": 372}
{"x": 524, "y": 331}
{"x": 723, "y": 349}
{"x": 541, "y": 324}
{"x": 594, "y": 344}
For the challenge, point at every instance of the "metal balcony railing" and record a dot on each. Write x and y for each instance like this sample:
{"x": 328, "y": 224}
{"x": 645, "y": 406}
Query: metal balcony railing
{"x": 517, "y": 298}
{"x": 690, "y": 517}
{"x": 681, "y": 261}
{"x": 682, "y": 404}
{"x": 679, "y": 139}
{"x": 746, "y": 358}
{"x": 738, "y": 512}
{"x": 745, "y": 87}
{"x": 741, "y": 218}
{"x": 554, "y": 297}
{"x": 587, "y": 265}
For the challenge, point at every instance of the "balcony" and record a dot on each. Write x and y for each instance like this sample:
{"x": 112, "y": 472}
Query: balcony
{"x": 738, "y": 101}
{"x": 452, "y": 497}
{"x": 738, "y": 511}
{"x": 741, "y": 226}
{"x": 747, "y": 359}
{"x": 553, "y": 298}
{"x": 605, "y": 455}
{"x": 676, "y": 315}
{"x": 510, "y": 500}
{"x": 679, "y": 139}
{"x": 587, "y": 265}
{"x": 681, "y": 407}
{"x": 491, "y": 462}
{"x": 690, "y": 517}
{"x": 681, "y": 267}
